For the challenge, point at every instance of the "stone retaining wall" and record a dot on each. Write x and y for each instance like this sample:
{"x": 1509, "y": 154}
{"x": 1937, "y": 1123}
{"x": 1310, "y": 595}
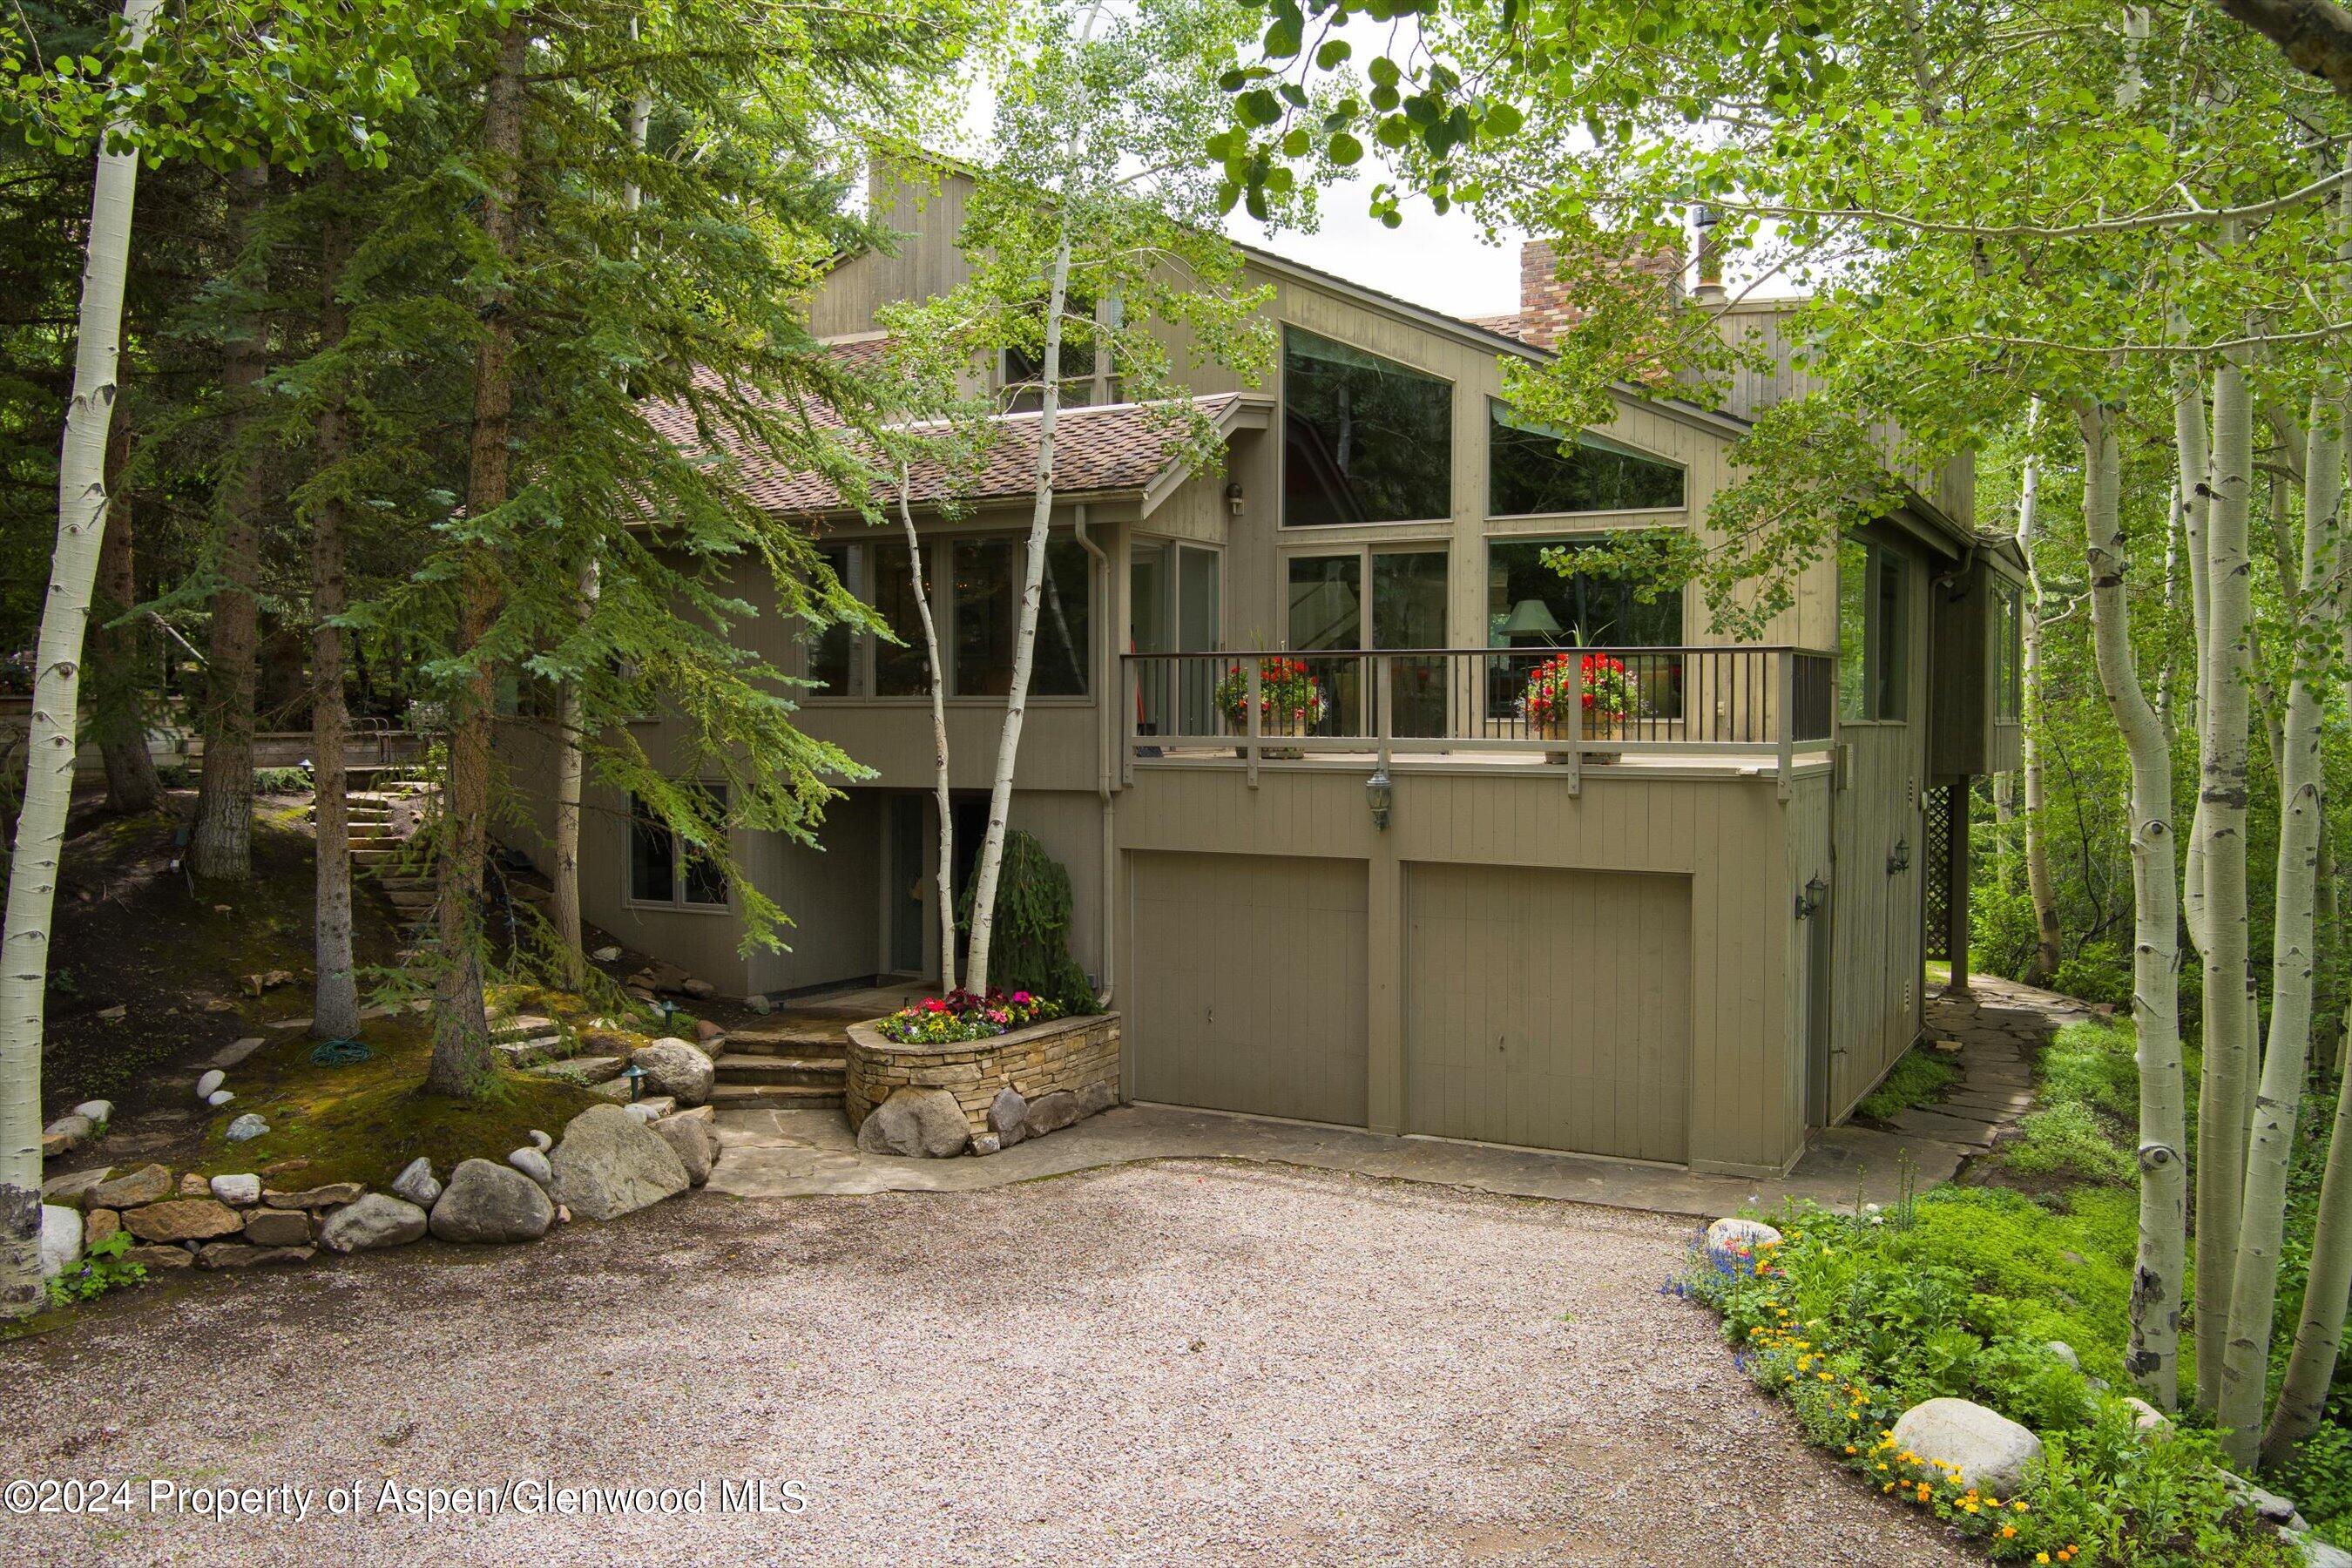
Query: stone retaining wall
{"x": 1070, "y": 1054}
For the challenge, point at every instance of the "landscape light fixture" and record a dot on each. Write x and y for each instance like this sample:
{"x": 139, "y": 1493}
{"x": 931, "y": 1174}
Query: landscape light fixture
{"x": 636, "y": 1077}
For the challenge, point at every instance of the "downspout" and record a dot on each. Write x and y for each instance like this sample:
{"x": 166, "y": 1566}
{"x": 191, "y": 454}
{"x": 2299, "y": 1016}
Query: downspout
{"x": 1104, "y": 731}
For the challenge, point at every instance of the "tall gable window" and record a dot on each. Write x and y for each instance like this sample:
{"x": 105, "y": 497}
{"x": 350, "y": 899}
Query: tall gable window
{"x": 1873, "y": 631}
{"x": 1364, "y": 440}
{"x": 1533, "y": 469}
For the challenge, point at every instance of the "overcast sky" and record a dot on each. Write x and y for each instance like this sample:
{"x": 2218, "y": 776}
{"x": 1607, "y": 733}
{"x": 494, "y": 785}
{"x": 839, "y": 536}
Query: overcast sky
{"x": 1443, "y": 263}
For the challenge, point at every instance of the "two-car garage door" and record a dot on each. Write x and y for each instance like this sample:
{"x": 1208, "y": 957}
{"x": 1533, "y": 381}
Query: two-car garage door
{"x": 1542, "y": 1007}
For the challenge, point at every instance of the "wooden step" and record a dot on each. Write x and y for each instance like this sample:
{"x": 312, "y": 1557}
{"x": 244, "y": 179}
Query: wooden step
{"x": 735, "y": 1068}
{"x": 774, "y": 1097}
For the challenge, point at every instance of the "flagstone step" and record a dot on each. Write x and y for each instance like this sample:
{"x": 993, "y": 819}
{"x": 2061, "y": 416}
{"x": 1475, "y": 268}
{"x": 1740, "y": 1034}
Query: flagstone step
{"x": 736, "y": 1068}
{"x": 775, "y": 1097}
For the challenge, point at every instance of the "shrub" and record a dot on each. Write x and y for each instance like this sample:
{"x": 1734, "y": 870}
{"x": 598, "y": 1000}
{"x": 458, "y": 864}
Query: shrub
{"x": 281, "y": 781}
{"x": 104, "y": 1268}
{"x": 1029, "y": 943}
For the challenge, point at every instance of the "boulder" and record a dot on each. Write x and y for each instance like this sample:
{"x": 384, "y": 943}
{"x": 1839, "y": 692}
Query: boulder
{"x": 653, "y": 1108}
{"x": 2147, "y": 1417}
{"x": 532, "y": 1163}
{"x": 1986, "y": 1449}
{"x": 242, "y": 1255}
{"x": 74, "y": 1185}
{"x": 374, "y": 1221}
{"x": 218, "y": 1098}
{"x": 490, "y": 1204}
{"x": 916, "y": 1123}
{"x": 585, "y": 1069}
{"x": 705, "y": 1032}
{"x": 195, "y": 1184}
{"x": 68, "y": 1134}
{"x": 1008, "y": 1116}
{"x": 1051, "y": 1113}
{"x": 758, "y": 1004}
{"x": 417, "y": 1184}
{"x": 182, "y": 1219}
{"x": 278, "y": 1227}
{"x": 147, "y": 1184}
{"x": 2318, "y": 1553}
{"x": 61, "y": 1236}
{"x": 246, "y": 1127}
{"x": 1733, "y": 1243}
{"x": 986, "y": 1144}
{"x": 319, "y": 1197}
{"x": 1097, "y": 1098}
{"x": 695, "y": 1142}
{"x": 237, "y": 1192}
{"x": 99, "y": 1111}
{"x": 154, "y": 1257}
{"x": 97, "y": 1224}
{"x": 606, "y": 954}
{"x": 701, "y": 989}
{"x": 609, "y": 1163}
{"x": 674, "y": 1067}
{"x": 208, "y": 1080}
{"x": 2064, "y": 1352}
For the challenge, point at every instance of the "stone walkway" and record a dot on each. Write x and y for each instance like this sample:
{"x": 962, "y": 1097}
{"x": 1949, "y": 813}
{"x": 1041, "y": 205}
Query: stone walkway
{"x": 769, "y": 1153}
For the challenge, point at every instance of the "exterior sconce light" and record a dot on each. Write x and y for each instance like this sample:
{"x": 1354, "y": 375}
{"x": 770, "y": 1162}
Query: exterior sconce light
{"x": 1234, "y": 497}
{"x": 1900, "y": 860}
{"x": 1808, "y": 901}
{"x": 1379, "y": 794}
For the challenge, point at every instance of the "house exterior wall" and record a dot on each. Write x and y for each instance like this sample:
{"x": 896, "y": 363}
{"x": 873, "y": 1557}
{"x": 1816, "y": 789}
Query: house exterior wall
{"x": 1724, "y": 833}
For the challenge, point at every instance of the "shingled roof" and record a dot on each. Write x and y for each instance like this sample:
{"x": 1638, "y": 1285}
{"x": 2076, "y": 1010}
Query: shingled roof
{"x": 1096, "y": 449}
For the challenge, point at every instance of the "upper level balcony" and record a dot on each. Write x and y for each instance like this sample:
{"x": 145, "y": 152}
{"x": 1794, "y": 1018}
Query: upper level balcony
{"x": 1749, "y": 709}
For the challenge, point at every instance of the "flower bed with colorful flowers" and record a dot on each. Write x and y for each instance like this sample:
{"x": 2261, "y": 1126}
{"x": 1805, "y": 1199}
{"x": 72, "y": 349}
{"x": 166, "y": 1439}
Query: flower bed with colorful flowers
{"x": 1290, "y": 701}
{"x": 1596, "y": 683}
{"x": 1850, "y": 1320}
{"x": 960, "y": 1015}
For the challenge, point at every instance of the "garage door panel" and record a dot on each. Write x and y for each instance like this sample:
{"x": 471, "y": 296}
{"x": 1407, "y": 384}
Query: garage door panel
{"x": 1549, "y": 1008}
{"x": 1249, "y": 974}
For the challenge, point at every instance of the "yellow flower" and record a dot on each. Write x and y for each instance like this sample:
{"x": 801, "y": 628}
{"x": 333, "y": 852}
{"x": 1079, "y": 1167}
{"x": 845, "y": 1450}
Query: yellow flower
{"x": 1850, "y": 1448}
{"x": 2019, "y": 1508}
{"x": 2042, "y": 1557}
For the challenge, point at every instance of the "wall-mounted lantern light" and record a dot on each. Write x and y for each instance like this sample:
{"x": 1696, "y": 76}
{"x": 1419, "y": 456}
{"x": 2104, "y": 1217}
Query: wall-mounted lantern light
{"x": 1379, "y": 794}
{"x": 1900, "y": 860}
{"x": 1234, "y": 497}
{"x": 1809, "y": 900}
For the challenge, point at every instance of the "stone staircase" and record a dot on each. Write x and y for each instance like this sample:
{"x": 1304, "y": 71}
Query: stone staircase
{"x": 784, "y": 1062}
{"x": 378, "y": 852}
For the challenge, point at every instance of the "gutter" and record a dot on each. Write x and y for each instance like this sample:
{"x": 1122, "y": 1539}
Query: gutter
{"x": 1103, "y": 729}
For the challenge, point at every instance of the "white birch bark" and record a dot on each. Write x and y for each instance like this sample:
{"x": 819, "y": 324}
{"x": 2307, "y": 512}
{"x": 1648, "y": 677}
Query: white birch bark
{"x": 2224, "y": 1099}
{"x": 2193, "y": 456}
{"x": 2245, "y": 1366}
{"x": 1016, "y": 702}
{"x": 939, "y": 740}
{"x": 2039, "y": 886}
{"x": 50, "y": 767}
{"x": 2153, "y": 1356}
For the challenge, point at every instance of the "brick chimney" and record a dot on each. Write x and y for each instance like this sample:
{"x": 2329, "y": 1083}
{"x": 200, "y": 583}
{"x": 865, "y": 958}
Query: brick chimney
{"x": 1547, "y": 306}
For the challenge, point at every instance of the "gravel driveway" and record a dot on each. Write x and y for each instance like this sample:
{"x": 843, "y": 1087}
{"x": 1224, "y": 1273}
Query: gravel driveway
{"x": 1180, "y": 1364}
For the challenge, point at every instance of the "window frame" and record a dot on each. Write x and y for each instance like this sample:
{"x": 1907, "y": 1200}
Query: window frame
{"x": 1500, "y": 411}
{"x": 938, "y": 589}
{"x": 1875, "y": 685}
{"x": 681, "y": 857}
{"x": 1283, "y": 524}
{"x": 1541, "y": 541}
{"x": 2008, "y": 652}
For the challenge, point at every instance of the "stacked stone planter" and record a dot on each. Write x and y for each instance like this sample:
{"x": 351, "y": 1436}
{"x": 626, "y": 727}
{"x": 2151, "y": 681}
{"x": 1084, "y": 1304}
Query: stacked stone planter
{"x": 1078, "y": 1056}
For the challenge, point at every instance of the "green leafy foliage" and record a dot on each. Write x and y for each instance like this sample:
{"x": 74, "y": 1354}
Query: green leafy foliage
{"x": 1919, "y": 1076}
{"x": 1032, "y": 933}
{"x": 104, "y": 1268}
{"x": 1853, "y": 1319}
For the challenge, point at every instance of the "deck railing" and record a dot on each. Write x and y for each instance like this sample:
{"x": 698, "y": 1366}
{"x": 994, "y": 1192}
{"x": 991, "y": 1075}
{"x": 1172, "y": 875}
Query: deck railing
{"x": 1564, "y": 706}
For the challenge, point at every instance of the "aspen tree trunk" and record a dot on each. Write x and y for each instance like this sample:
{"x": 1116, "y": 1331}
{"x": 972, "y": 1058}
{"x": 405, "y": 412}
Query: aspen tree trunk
{"x": 223, "y": 847}
{"x": 335, "y": 1002}
{"x": 2168, "y": 680}
{"x": 1016, "y": 704}
{"x": 570, "y": 755}
{"x": 2154, "y": 1355}
{"x": 2193, "y": 456}
{"x": 461, "y": 1061}
{"x": 2245, "y": 1366}
{"x": 2004, "y": 821}
{"x": 121, "y": 717}
{"x": 48, "y": 772}
{"x": 939, "y": 742}
{"x": 2038, "y": 882}
{"x": 2224, "y": 1099}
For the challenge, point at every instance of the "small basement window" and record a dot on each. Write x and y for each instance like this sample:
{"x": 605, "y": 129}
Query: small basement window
{"x": 666, "y": 870}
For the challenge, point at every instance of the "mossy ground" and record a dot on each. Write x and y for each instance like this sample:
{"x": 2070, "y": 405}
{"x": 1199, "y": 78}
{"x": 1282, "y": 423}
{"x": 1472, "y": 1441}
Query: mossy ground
{"x": 1919, "y": 1076}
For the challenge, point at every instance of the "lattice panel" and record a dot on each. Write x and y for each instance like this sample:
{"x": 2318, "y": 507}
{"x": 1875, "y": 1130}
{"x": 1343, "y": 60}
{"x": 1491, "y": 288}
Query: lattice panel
{"x": 1940, "y": 809}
